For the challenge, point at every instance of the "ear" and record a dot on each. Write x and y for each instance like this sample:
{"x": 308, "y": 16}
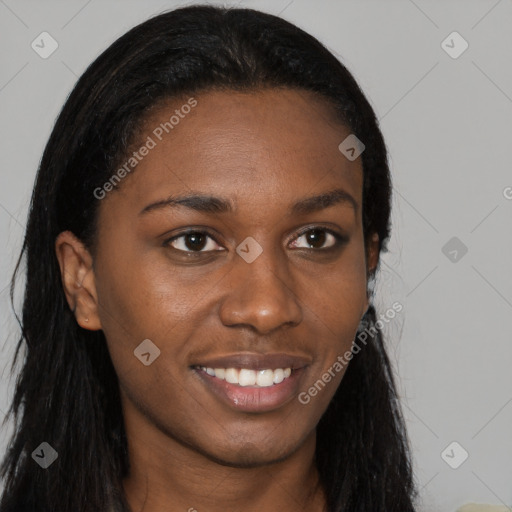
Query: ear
{"x": 372, "y": 260}
{"x": 78, "y": 279}
{"x": 372, "y": 257}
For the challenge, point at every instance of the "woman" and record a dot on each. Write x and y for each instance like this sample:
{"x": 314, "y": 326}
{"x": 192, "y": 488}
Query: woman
{"x": 205, "y": 226}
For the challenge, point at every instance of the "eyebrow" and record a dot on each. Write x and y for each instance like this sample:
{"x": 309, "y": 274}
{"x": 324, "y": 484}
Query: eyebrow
{"x": 212, "y": 205}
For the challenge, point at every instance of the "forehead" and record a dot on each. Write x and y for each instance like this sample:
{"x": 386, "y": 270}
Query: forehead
{"x": 250, "y": 146}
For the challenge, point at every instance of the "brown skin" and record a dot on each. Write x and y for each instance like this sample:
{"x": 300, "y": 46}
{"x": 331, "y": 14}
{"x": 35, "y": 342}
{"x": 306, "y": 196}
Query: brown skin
{"x": 263, "y": 151}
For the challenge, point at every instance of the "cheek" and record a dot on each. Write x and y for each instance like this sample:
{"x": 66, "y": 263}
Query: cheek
{"x": 337, "y": 293}
{"x": 133, "y": 285}
{"x": 336, "y": 300}
{"x": 140, "y": 301}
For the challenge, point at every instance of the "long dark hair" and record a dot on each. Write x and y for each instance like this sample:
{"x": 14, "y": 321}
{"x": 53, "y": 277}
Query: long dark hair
{"x": 67, "y": 392}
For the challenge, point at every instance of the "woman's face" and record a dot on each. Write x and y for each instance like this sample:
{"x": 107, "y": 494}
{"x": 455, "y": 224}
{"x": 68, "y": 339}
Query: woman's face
{"x": 272, "y": 278}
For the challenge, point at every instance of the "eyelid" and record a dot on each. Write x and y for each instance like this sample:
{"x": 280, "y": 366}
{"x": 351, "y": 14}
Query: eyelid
{"x": 340, "y": 239}
{"x": 187, "y": 231}
{"x": 315, "y": 227}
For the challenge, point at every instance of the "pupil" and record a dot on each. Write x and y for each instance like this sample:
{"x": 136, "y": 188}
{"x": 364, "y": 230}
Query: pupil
{"x": 195, "y": 241}
{"x": 317, "y": 237}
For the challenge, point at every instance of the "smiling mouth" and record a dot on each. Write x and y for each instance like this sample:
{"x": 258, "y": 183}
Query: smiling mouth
{"x": 244, "y": 377}
{"x": 253, "y": 382}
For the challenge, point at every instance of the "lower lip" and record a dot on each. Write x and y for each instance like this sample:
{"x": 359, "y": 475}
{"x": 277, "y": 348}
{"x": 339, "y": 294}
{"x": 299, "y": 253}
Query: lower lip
{"x": 252, "y": 398}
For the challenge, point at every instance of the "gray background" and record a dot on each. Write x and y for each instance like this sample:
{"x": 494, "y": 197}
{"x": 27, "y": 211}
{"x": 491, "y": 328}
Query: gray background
{"x": 447, "y": 123}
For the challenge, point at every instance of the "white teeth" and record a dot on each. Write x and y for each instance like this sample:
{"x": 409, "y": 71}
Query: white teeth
{"x": 278, "y": 376}
{"x": 220, "y": 373}
{"x": 265, "y": 378}
{"x": 231, "y": 376}
{"x": 247, "y": 377}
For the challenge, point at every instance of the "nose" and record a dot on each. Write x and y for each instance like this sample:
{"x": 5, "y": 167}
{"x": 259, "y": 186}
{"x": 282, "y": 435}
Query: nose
{"x": 260, "y": 296}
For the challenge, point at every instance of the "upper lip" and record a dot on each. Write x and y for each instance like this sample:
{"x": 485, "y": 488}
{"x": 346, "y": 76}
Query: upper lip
{"x": 255, "y": 361}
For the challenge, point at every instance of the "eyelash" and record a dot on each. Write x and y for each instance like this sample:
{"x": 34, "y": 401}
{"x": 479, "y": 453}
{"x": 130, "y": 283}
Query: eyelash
{"x": 339, "y": 239}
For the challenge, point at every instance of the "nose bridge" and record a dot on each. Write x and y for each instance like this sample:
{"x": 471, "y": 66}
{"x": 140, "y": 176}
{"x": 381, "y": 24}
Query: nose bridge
{"x": 261, "y": 294}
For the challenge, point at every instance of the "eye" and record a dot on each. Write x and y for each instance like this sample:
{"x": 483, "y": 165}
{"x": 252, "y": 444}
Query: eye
{"x": 193, "y": 242}
{"x": 319, "y": 238}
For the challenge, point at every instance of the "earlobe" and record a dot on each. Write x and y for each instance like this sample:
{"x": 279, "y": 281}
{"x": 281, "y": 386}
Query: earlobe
{"x": 78, "y": 279}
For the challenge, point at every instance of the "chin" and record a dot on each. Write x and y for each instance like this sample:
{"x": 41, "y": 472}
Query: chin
{"x": 252, "y": 454}
{"x": 248, "y": 457}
